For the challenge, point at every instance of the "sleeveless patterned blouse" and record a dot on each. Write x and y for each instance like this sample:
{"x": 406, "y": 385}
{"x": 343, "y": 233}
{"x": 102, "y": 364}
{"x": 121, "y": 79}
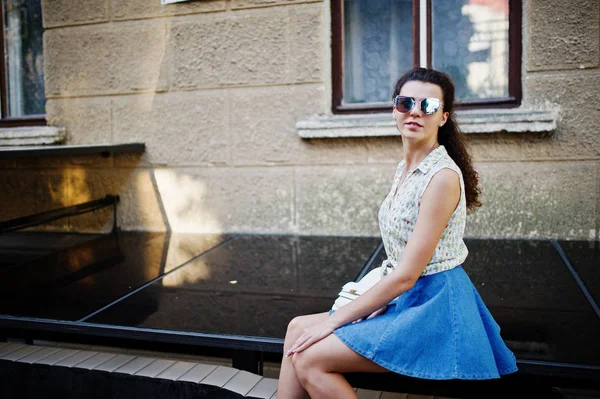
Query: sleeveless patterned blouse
{"x": 398, "y": 215}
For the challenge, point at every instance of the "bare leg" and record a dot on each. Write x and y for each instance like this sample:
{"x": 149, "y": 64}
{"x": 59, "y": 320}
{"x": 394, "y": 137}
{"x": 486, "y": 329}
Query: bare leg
{"x": 319, "y": 368}
{"x": 289, "y": 387}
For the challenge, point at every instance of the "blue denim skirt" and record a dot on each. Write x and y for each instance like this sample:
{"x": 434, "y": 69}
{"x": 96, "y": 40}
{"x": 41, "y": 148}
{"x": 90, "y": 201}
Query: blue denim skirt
{"x": 440, "y": 329}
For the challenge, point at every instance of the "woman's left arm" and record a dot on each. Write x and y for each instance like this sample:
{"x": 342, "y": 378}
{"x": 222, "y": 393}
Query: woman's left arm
{"x": 437, "y": 205}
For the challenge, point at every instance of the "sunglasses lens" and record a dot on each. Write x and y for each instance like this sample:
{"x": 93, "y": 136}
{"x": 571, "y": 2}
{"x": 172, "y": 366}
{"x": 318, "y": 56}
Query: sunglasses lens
{"x": 403, "y": 104}
{"x": 430, "y": 105}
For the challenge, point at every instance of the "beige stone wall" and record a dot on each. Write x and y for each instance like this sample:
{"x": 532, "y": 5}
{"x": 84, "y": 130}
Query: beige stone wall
{"x": 214, "y": 89}
{"x": 549, "y": 186}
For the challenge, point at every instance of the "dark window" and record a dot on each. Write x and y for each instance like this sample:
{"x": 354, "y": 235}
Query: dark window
{"x": 477, "y": 42}
{"x": 22, "y": 98}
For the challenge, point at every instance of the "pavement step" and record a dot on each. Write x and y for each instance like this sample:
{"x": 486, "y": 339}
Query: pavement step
{"x": 241, "y": 382}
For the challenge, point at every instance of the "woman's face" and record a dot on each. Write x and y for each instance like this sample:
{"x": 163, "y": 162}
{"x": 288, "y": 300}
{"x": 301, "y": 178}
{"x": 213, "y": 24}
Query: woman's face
{"x": 415, "y": 124}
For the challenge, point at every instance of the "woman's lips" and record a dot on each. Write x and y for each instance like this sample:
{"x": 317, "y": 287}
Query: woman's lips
{"x": 413, "y": 124}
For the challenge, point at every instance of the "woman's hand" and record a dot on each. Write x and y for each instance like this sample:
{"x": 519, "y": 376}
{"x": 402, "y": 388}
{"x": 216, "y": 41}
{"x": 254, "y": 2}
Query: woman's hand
{"x": 311, "y": 335}
{"x": 375, "y": 313}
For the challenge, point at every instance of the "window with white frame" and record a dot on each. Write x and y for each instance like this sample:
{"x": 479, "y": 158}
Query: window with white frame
{"x": 477, "y": 42}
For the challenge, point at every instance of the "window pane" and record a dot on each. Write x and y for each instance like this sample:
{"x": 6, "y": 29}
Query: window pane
{"x": 23, "y": 49}
{"x": 470, "y": 42}
{"x": 378, "y": 47}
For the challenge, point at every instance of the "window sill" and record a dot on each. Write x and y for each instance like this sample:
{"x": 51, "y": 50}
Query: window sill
{"x": 470, "y": 122}
{"x": 32, "y": 135}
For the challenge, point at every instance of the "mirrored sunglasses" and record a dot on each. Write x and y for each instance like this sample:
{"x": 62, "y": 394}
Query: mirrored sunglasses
{"x": 429, "y": 106}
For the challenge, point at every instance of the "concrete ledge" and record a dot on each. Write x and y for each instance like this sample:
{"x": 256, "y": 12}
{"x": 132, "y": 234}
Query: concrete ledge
{"x": 471, "y": 122}
{"x": 32, "y": 135}
{"x": 37, "y": 151}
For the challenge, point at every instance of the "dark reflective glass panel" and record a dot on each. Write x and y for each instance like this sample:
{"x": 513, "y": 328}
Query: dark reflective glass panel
{"x": 253, "y": 285}
{"x": 20, "y": 247}
{"x": 70, "y": 283}
{"x": 533, "y": 297}
{"x": 584, "y": 256}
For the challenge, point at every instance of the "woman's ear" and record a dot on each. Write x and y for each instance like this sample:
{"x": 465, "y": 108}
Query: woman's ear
{"x": 445, "y": 116}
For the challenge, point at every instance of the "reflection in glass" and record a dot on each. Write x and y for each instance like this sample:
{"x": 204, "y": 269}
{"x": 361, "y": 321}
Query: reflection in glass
{"x": 470, "y": 42}
{"x": 378, "y": 47}
{"x": 23, "y": 47}
{"x": 277, "y": 278}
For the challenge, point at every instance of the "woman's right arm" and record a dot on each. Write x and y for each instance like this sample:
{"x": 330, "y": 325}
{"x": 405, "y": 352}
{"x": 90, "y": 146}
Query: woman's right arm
{"x": 437, "y": 205}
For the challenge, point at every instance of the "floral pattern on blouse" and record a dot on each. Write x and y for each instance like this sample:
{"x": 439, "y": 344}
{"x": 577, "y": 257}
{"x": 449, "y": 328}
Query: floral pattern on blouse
{"x": 398, "y": 215}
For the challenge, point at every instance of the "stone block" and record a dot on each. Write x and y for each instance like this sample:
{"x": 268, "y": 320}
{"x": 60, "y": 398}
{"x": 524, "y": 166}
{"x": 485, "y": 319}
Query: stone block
{"x": 307, "y": 43}
{"x": 503, "y": 147}
{"x": 252, "y": 48}
{"x": 536, "y": 200}
{"x": 256, "y": 49}
{"x": 330, "y": 151}
{"x": 236, "y": 4}
{"x": 139, "y": 207}
{"x": 562, "y": 36}
{"x": 384, "y": 150}
{"x": 218, "y": 200}
{"x": 73, "y": 12}
{"x": 341, "y": 200}
{"x": 138, "y": 9}
{"x": 576, "y": 135}
{"x": 105, "y": 59}
{"x": 577, "y": 138}
{"x": 180, "y": 128}
{"x": 263, "y": 128}
{"x": 86, "y": 120}
{"x": 563, "y": 90}
{"x": 196, "y": 55}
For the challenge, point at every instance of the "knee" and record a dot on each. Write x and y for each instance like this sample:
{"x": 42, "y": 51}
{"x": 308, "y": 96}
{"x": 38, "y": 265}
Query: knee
{"x": 295, "y": 328}
{"x": 307, "y": 370}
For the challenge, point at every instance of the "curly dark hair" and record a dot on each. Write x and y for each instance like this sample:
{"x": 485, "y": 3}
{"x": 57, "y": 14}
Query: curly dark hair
{"x": 449, "y": 135}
